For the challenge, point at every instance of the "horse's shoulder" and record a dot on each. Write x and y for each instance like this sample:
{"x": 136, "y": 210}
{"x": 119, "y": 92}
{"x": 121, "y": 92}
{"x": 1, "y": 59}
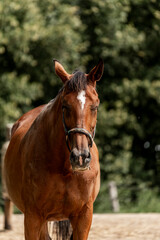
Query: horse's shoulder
{"x": 27, "y": 119}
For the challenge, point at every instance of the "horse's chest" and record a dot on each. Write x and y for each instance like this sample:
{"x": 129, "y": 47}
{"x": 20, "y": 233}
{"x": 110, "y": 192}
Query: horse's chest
{"x": 79, "y": 190}
{"x": 67, "y": 195}
{"x": 74, "y": 190}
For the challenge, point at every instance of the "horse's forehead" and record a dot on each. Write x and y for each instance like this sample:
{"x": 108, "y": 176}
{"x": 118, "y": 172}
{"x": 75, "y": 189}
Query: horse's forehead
{"x": 84, "y": 95}
{"x": 89, "y": 92}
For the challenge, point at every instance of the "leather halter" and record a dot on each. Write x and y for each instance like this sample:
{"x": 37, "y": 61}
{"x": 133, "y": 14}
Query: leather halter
{"x": 78, "y": 130}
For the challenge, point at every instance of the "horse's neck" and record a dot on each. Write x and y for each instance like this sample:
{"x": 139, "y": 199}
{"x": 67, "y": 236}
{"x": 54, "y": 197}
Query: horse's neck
{"x": 54, "y": 129}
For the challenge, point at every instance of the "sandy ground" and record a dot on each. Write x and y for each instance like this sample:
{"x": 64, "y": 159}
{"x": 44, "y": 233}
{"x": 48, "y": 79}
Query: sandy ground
{"x": 104, "y": 227}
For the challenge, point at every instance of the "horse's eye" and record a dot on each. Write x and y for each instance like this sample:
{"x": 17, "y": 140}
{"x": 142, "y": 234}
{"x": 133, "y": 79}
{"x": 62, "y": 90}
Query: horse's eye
{"x": 65, "y": 107}
{"x": 66, "y": 110}
{"x": 94, "y": 108}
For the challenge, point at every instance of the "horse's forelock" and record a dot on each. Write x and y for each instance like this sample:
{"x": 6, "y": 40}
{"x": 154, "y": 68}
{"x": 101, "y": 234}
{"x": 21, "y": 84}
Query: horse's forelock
{"x": 77, "y": 83}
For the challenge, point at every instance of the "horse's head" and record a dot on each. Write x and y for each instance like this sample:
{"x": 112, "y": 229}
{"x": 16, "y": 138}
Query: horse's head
{"x": 79, "y": 112}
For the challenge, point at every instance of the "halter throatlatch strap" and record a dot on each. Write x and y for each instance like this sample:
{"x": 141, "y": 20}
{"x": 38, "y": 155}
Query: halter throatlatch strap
{"x": 77, "y": 130}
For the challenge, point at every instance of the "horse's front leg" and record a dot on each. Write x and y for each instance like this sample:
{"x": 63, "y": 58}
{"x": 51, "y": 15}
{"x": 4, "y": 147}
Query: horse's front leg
{"x": 33, "y": 225}
{"x": 44, "y": 235}
{"x": 81, "y": 224}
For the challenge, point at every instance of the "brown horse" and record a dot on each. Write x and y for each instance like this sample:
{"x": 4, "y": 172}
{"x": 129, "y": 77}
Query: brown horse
{"x": 46, "y": 178}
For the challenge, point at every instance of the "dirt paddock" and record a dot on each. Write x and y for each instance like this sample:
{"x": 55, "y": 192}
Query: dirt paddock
{"x": 104, "y": 227}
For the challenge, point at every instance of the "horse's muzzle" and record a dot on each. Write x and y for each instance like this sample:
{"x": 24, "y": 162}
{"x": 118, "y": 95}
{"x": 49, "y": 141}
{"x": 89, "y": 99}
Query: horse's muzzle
{"x": 80, "y": 159}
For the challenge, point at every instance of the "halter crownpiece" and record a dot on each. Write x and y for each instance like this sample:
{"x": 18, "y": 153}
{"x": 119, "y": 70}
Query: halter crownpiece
{"x": 78, "y": 130}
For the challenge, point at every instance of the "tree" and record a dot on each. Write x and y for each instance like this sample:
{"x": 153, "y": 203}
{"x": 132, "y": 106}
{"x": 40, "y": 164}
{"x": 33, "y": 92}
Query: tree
{"x": 125, "y": 34}
{"x": 32, "y": 34}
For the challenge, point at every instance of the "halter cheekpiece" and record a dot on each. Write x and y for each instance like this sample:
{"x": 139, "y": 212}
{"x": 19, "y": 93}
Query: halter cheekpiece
{"x": 77, "y": 130}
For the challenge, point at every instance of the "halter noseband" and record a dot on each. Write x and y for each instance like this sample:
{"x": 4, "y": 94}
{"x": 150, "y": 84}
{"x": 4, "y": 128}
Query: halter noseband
{"x": 78, "y": 130}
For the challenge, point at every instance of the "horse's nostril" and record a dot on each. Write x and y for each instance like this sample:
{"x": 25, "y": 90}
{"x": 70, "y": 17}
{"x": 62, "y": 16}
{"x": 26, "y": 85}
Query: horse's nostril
{"x": 80, "y": 158}
{"x": 74, "y": 157}
{"x": 87, "y": 160}
{"x": 86, "y": 154}
{"x": 86, "y": 157}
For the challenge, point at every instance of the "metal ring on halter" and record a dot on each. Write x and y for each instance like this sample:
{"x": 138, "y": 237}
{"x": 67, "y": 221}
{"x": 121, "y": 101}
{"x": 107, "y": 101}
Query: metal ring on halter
{"x": 77, "y": 130}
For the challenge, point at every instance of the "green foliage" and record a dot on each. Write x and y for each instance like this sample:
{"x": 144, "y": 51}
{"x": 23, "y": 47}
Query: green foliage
{"x": 126, "y": 35}
{"x": 147, "y": 201}
{"x": 17, "y": 92}
{"x": 32, "y": 33}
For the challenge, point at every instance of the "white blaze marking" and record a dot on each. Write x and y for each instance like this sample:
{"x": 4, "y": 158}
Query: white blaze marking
{"x": 82, "y": 99}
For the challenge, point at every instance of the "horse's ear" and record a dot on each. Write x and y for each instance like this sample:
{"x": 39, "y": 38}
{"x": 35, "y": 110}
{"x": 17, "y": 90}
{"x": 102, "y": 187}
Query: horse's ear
{"x": 60, "y": 71}
{"x": 96, "y": 73}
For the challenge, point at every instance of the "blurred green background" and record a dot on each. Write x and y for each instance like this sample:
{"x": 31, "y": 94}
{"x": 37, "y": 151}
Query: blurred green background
{"x": 126, "y": 35}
